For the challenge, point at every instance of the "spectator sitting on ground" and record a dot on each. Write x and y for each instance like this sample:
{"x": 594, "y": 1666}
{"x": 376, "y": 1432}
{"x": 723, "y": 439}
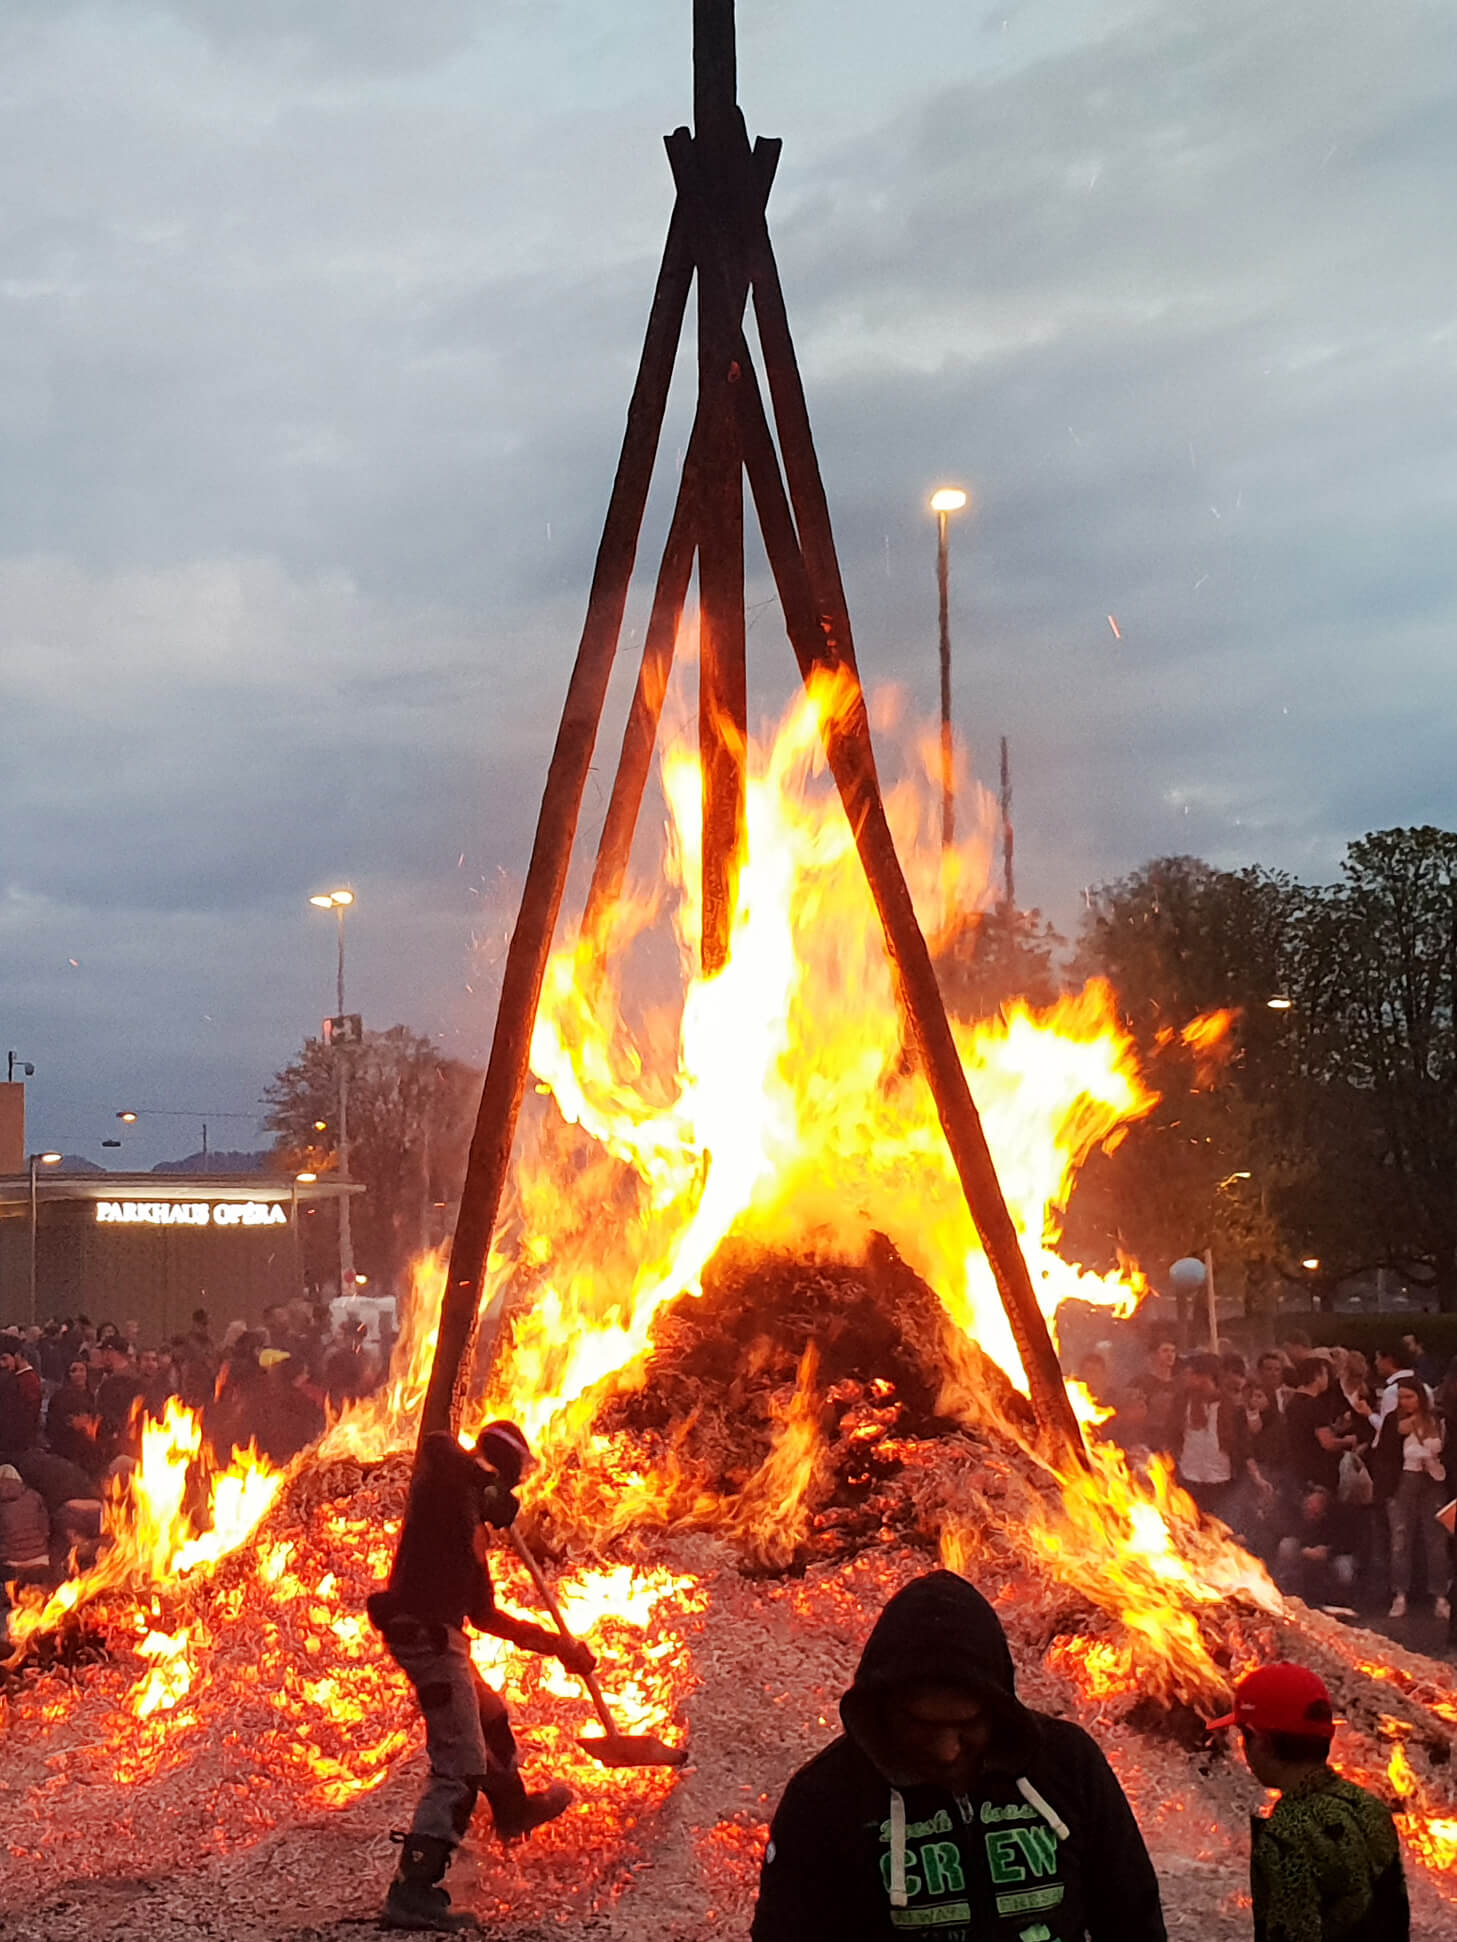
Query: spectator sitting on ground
{"x": 74, "y": 1504}
{"x": 25, "y": 1531}
{"x": 1317, "y": 1560}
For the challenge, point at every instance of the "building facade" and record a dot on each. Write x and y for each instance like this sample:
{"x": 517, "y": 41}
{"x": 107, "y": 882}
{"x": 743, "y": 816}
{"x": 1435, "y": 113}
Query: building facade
{"x": 153, "y": 1247}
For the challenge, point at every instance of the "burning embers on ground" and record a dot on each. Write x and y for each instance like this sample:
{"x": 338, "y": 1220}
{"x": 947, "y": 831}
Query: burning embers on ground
{"x": 751, "y": 1329}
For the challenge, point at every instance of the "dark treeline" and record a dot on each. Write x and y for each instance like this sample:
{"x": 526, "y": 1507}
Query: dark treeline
{"x": 1328, "y": 1131}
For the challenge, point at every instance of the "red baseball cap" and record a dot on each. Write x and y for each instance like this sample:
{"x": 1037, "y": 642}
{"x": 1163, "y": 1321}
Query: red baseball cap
{"x": 1282, "y": 1699}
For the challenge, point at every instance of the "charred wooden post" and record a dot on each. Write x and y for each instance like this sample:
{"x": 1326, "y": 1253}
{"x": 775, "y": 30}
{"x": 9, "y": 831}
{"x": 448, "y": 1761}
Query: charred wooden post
{"x": 556, "y": 828}
{"x": 723, "y": 700}
{"x": 640, "y": 735}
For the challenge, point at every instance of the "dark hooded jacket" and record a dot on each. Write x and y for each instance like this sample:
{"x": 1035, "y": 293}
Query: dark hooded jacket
{"x": 1042, "y": 1848}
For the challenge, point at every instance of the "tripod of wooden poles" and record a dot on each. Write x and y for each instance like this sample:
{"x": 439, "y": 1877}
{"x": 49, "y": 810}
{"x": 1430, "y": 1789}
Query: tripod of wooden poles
{"x": 719, "y": 235}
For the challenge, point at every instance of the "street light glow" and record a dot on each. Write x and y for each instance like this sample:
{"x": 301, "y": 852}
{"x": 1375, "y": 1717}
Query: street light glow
{"x": 948, "y": 499}
{"x": 127, "y": 1119}
{"x": 49, "y": 1159}
{"x": 322, "y": 903}
{"x": 1310, "y": 1262}
{"x": 332, "y": 899}
{"x": 1280, "y": 1004}
{"x": 306, "y": 1179}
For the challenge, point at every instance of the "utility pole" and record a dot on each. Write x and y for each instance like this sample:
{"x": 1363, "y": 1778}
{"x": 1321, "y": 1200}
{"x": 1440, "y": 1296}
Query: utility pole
{"x": 1009, "y": 874}
{"x": 948, "y": 500}
{"x": 339, "y": 901}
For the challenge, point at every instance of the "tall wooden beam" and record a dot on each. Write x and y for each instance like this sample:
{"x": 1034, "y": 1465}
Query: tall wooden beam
{"x": 546, "y": 875}
{"x": 723, "y": 699}
{"x": 639, "y": 738}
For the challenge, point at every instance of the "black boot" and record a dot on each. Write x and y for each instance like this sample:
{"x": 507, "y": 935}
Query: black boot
{"x": 415, "y": 1899}
{"x": 517, "y": 1813}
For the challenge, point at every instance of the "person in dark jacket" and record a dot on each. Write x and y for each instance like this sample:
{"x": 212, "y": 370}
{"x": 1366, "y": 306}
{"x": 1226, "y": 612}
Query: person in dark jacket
{"x": 1325, "y": 1864}
{"x": 439, "y": 1581}
{"x": 949, "y": 1808}
{"x": 21, "y": 1395}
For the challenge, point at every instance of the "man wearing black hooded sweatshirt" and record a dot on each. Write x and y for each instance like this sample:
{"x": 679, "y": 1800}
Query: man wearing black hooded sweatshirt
{"x": 948, "y": 1809}
{"x": 439, "y": 1582}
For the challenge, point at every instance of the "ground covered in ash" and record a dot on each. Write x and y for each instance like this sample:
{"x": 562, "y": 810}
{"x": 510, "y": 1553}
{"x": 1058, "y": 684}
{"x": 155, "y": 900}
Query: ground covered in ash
{"x": 259, "y": 1808}
{"x": 769, "y": 1658}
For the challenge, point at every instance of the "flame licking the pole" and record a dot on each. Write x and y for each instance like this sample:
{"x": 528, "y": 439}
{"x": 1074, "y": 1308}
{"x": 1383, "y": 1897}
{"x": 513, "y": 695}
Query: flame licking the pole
{"x": 775, "y": 1106}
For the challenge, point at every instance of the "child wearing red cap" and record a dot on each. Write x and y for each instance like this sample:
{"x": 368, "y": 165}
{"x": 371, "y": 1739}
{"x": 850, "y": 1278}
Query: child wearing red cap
{"x": 1325, "y": 1865}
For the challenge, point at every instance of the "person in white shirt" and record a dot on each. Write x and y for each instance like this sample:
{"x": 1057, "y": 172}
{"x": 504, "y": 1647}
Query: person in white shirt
{"x": 1390, "y": 1369}
{"x": 1409, "y": 1453}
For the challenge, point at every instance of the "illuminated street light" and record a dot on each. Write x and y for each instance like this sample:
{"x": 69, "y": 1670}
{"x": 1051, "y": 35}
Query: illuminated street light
{"x": 34, "y": 1160}
{"x": 339, "y": 901}
{"x": 306, "y": 1179}
{"x": 127, "y": 1119}
{"x": 1311, "y": 1263}
{"x": 947, "y": 500}
{"x": 1280, "y": 1004}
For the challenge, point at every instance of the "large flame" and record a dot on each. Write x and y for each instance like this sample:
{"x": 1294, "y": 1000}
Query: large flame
{"x": 775, "y": 1104}
{"x": 776, "y": 1101}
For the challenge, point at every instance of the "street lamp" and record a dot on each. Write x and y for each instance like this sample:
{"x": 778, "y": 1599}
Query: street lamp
{"x": 1280, "y": 1003}
{"x": 34, "y": 1160}
{"x": 339, "y": 901}
{"x": 1311, "y": 1264}
{"x": 947, "y": 500}
{"x": 14, "y": 1059}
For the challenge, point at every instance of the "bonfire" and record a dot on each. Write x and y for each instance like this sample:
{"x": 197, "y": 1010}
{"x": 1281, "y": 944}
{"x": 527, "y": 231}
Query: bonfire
{"x": 748, "y": 1323}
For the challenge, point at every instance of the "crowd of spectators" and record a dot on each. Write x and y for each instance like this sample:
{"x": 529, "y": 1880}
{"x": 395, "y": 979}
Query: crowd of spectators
{"x": 1332, "y": 1470}
{"x": 75, "y": 1397}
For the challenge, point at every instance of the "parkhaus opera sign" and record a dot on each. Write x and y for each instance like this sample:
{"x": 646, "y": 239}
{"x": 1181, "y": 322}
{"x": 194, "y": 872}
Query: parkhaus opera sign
{"x": 192, "y": 1213}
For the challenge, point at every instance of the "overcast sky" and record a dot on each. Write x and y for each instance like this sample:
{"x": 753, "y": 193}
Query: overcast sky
{"x": 317, "y": 323}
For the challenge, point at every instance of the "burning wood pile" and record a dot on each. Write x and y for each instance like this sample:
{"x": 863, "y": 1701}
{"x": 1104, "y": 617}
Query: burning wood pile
{"x": 774, "y": 1384}
{"x": 774, "y": 1316}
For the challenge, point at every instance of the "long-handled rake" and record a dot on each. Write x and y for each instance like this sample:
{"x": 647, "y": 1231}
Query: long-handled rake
{"x": 611, "y": 1748}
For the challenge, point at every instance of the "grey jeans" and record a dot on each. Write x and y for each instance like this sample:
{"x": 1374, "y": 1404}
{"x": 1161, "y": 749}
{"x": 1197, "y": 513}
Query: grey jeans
{"x": 468, "y": 1738}
{"x": 1412, "y": 1515}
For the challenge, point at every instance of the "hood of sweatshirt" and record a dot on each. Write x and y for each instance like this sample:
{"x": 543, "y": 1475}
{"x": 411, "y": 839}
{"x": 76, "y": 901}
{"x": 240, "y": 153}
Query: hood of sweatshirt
{"x": 12, "y": 1484}
{"x": 937, "y": 1631}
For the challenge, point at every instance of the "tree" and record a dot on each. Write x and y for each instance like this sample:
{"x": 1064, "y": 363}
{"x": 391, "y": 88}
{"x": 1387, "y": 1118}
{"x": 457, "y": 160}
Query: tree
{"x": 1377, "y": 998}
{"x": 410, "y": 1114}
{"x": 1180, "y": 941}
{"x": 992, "y": 956}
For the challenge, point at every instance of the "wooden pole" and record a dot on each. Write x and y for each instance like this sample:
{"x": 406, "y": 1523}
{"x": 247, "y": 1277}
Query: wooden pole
{"x": 640, "y": 735}
{"x": 723, "y": 698}
{"x": 801, "y": 550}
{"x": 546, "y": 876}
{"x": 1213, "y": 1304}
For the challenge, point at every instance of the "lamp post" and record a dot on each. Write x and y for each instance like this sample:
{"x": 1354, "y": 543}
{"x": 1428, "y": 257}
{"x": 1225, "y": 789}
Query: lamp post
{"x": 34, "y": 1160}
{"x": 339, "y": 901}
{"x": 947, "y": 500}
